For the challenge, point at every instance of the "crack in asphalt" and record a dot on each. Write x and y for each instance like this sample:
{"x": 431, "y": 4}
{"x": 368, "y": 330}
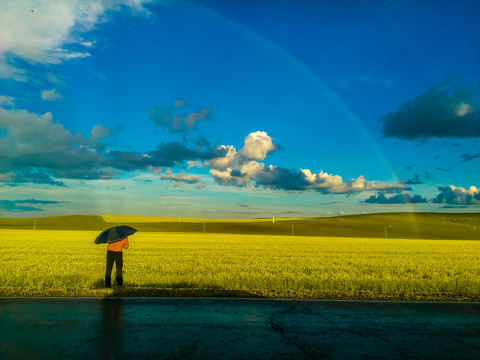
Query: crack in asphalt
{"x": 333, "y": 325}
{"x": 279, "y": 329}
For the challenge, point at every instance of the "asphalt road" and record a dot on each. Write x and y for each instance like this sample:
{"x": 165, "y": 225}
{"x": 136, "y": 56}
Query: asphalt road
{"x": 179, "y": 328}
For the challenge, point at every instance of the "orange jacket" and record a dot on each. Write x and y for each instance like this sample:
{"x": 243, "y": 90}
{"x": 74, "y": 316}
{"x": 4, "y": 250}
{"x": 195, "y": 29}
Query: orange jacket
{"x": 118, "y": 245}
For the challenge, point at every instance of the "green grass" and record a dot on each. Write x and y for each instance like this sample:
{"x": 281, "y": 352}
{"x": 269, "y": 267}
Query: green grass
{"x": 67, "y": 263}
{"x": 395, "y": 225}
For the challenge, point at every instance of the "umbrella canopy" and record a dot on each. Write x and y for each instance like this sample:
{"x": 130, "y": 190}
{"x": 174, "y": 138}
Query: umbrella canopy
{"x": 115, "y": 233}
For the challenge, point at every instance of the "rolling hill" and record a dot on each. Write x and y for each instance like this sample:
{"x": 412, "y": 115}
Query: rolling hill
{"x": 460, "y": 226}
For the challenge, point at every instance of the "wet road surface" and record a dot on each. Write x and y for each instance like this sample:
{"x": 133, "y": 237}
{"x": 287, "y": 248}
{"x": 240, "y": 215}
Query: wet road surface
{"x": 180, "y": 328}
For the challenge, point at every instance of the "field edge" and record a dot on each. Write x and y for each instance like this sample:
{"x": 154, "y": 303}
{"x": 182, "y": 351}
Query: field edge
{"x": 239, "y": 294}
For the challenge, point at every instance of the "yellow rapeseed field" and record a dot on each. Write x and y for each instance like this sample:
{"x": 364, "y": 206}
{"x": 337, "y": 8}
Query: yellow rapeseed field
{"x": 69, "y": 259}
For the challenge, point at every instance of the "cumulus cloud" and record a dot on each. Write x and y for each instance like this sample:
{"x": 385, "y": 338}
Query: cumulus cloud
{"x": 302, "y": 180}
{"x": 50, "y": 32}
{"x": 453, "y": 195}
{"x": 242, "y": 176}
{"x": 229, "y": 156}
{"x": 51, "y": 95}
{"x": 242, "y": 168}
{"x": 37, "y": 149}
{"x": 440, "y": 112}
{"x": 174, "y": 118}
{"x": 257, "y": 146}
{"x": 396, "y": 199}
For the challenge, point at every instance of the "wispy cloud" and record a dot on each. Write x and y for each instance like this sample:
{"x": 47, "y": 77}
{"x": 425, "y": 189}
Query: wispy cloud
{"x": 51, "y": 32}
{"x": 363, "y": 79}
{"x": 414, "y": 181}
{"x": 180, "y": 178}
{"x": 440, "y": 112}
{"x": 23, "y": 205}
{"x": 6, "y": 100}
{"x": 29, "y": 175}
{"x": 470, "y": 157}
{"x": 175, "y": 118}
{"x": 51, "y": 95}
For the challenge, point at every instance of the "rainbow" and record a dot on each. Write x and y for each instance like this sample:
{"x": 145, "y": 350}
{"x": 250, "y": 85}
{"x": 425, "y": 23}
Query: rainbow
{"x": 303, "y": 70}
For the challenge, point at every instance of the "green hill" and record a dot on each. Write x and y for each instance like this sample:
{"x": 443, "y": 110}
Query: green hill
{"x": 391, "y": 225}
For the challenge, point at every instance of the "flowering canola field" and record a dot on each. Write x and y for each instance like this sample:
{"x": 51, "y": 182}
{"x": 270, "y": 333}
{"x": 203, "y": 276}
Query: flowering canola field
{"x": 55, "y": 259}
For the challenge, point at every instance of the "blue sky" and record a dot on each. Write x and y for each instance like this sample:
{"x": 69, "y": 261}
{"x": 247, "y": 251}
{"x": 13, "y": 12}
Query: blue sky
{"x": 217, "y": 109}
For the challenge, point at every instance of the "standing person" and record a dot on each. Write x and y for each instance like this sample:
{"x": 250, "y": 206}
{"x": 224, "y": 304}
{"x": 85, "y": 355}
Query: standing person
{"x": 115, "y": 255}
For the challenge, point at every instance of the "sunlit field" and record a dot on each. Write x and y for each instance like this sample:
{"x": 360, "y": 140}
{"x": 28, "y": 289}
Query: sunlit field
{"x": 350, "y": 267}
{"x": 164, "y": 219}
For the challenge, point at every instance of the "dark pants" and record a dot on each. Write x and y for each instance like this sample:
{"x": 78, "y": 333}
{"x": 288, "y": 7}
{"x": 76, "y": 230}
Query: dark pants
{"x": 117, "y": 258}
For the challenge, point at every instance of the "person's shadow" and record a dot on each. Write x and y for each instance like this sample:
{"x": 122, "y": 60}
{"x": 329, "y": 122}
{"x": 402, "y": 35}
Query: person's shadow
{"x": 111, "y": 328}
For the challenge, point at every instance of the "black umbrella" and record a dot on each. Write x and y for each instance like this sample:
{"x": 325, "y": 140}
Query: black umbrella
{"x": 115, "y": 233}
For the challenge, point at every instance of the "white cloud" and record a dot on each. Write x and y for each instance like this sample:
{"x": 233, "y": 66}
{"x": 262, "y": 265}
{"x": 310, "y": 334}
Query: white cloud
{"x": 275, "y": 177}
{"x": 242, "y": 168}
{"x": 257, "y": 146}
{"x": 247, "y": 173}
{"x": 250, "y": 169}
{"x": 185, "y": 178}
{"x": 87, "y": 44}
{"x": 51, "y": 95}
{"x": 224, "y": 177}
{"x": 53, "y": 79}
{"x": 6, "y": 100}
{"x": 99, "y": 132}
{"x": 10, "y": 72}
{"x": 223, "y": 162}
{"x": 37, "y": 31}
{"x": 334, "y": 184}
